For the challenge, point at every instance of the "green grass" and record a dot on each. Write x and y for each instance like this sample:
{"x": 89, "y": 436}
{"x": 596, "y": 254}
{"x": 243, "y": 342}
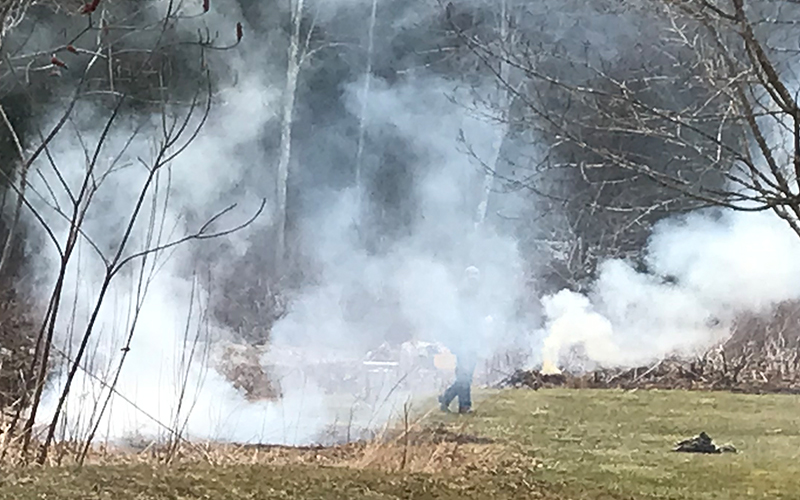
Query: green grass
{"x": 592, "y": 444}
{"x": 307, "y": 482}
{"x": 613, "y": 442}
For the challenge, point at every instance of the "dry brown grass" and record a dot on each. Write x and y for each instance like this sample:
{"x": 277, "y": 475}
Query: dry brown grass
{"x": 410, "y": 447}
{"x": 431, "y": 450}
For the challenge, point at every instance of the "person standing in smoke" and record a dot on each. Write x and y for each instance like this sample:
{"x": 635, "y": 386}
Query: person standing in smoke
{"x": 464, "y": 344}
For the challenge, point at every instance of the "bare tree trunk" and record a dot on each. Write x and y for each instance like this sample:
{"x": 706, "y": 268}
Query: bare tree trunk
{"x": 12, "y": 230}
{"x": 364, "y": 97}
{"x": 503, "y": 104}
{"x": 23, "y": 181}
{"x": 289, "y": 96}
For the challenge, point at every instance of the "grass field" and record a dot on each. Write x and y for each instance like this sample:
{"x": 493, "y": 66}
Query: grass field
{"x": 550, "y": 444}
{"x": 597, "y": 443}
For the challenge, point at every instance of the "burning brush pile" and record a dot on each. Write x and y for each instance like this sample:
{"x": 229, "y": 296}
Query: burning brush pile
{"x": 762, "y": 355}
{"x": 241, "y": 366}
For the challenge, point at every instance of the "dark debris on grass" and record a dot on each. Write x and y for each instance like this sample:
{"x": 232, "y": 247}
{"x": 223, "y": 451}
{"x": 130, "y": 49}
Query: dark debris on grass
{"x": 702, "y": 443}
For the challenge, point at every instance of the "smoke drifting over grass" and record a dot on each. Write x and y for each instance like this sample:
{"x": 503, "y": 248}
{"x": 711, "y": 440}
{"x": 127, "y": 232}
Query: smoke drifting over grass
{"x": 168, "y": 380}
{"x": 387, "y": 257}
{"x": 408, "y": 289}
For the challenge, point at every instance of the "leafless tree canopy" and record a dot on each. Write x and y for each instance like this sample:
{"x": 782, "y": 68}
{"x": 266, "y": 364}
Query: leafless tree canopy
{"x": 702, "y": 113}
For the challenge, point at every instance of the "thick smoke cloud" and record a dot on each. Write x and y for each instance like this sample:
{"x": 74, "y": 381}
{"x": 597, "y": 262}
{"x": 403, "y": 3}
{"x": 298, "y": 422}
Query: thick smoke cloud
{"x": 357, "y": 300}
{"x": 422, "y": 270}
{"x": 704, "y": 270}
{"x": 385, "y": 258}
{"x": 170, "y": 343}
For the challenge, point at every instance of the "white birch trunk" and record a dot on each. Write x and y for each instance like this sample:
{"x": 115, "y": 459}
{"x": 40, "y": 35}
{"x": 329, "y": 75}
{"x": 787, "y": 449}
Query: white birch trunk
{"x": 287, "y": 118}
{"x": 364, "y": 98}
{"x": 503, "y": 104}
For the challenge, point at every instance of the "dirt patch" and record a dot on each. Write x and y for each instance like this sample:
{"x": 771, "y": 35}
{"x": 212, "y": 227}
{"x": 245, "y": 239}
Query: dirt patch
{"x": 441, "y": 434}
{"x": 437, "y": 434}
{"x": 434, "y": 452}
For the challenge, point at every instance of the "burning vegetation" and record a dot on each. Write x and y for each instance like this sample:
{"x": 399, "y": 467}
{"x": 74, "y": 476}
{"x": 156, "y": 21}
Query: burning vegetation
{"x": 761, "y": 355}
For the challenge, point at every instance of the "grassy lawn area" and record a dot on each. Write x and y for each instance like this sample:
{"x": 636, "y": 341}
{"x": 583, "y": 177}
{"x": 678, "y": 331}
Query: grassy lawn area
{"x": 548, "y": 445}
{"x": 305, "y": 482}
{"x": 614, "y": 442}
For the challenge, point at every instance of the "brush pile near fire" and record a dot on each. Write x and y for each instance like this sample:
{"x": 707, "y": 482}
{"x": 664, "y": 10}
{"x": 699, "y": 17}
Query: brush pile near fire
{"x": 762, "y": 355}
{"x": 667, "y": 374}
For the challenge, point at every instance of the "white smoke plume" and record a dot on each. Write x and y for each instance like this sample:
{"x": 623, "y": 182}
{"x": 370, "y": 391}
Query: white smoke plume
{"x": 409, "y": 291}
{"x": 359, "y": 296}
{"x": 167, "y": 380}
{"x": 717, "y": 267}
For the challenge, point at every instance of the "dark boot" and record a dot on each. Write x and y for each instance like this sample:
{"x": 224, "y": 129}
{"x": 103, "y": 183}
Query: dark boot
{"x": 464, "y": 395}
{"x": 448, "y": 397}
{"x": 464, "y": 372}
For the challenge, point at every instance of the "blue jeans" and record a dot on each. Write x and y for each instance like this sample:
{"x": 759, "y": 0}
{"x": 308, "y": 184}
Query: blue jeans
{"x": 465, "y": 368}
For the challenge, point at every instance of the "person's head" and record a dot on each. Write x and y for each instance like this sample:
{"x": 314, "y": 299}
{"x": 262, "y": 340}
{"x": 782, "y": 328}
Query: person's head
{"x": 471, "y": 280}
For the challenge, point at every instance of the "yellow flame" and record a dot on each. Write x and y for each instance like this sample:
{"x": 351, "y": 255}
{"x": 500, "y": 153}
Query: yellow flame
{"x": 549, "y": 368}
